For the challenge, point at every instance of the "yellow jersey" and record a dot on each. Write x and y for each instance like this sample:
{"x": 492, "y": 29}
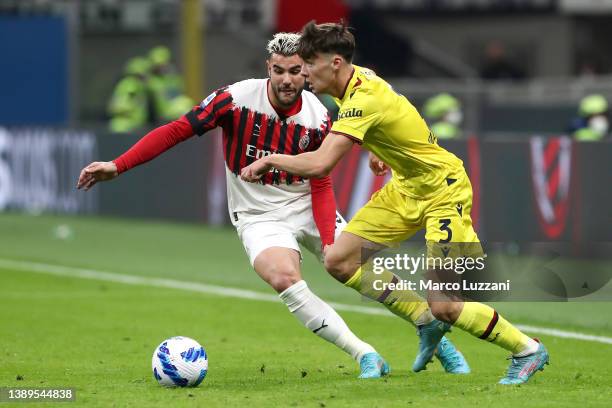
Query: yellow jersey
{"x": 387, "y": 124}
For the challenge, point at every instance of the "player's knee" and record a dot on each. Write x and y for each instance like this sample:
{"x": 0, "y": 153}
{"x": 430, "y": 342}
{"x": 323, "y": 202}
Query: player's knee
{"x": 445, "y": 311}
{"x": 283, "y": 277}
{"x": 338, "y": 266}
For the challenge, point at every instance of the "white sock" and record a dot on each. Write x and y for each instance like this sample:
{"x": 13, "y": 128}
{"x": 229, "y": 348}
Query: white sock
{"x": 322, "y": 320}
{"x": 532, "y": 347}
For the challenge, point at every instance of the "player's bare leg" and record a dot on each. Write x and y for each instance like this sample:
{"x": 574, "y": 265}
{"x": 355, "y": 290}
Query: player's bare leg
{"x": 280, "y": 268}
{"x": 343, "y": 261}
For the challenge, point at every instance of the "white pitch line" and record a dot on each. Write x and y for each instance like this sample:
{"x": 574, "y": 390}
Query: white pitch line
{"x": 72, "y": 272}
{"x": 564, "y": 334}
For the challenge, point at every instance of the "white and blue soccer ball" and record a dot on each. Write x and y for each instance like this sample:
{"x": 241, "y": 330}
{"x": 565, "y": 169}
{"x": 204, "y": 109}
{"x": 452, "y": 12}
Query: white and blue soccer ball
{"x": 180, "y": 362}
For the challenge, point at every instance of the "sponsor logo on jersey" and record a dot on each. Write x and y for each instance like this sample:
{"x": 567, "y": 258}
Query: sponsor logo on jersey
{"x": 350, "y": 113}
{"x": 253, "y": 151}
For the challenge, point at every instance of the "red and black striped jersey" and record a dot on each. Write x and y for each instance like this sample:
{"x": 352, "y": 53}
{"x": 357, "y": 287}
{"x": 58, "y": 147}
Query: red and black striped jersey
{"x": 253, "y": 128}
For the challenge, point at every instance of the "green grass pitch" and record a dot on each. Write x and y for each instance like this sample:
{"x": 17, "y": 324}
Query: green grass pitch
{"x": 98, "y": 336}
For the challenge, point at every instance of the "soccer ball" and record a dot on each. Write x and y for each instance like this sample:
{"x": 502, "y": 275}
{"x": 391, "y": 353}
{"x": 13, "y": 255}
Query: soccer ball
{"x": 179, "y": 362}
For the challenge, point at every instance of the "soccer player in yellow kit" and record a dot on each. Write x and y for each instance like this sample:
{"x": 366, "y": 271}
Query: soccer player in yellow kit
{"x": 429, "y": 189}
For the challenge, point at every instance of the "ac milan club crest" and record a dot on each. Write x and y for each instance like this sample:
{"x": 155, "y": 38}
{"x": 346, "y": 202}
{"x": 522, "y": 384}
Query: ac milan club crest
{"x": 551, "y": 173}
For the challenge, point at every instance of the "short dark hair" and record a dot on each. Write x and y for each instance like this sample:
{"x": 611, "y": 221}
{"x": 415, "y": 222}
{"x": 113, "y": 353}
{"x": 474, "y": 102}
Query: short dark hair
{"x": 332, "y": 38}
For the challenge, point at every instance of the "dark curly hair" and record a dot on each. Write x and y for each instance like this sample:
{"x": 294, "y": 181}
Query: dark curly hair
{"x": 333, "y": 38}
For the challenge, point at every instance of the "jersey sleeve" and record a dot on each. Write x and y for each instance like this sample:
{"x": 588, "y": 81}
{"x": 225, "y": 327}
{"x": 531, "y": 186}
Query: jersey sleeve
{"x": 154, "y": 143}
{"x": 357, "y": 115}
{"x": 324, "y": 208}
{"x": 323, "y": 198}
{"x": 211, "y": 112}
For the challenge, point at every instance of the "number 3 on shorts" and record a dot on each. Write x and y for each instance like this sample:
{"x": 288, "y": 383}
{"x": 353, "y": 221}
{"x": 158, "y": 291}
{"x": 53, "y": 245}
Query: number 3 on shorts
{"x": 445, "y": 227}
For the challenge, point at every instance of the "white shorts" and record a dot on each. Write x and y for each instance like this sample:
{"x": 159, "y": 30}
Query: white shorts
{"x": 286, "y": 227}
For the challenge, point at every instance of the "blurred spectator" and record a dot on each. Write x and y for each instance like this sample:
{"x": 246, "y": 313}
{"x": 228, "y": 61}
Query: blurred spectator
{"x": 444, "y": 114}
{"x": 166, "y": 87}
{"x": 497, "y": 65}
{"x": 128, "y": 107}
{"x": 592, "y": 123}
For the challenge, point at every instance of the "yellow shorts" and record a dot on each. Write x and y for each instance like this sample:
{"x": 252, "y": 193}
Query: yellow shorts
{"x": 391, "y": 217}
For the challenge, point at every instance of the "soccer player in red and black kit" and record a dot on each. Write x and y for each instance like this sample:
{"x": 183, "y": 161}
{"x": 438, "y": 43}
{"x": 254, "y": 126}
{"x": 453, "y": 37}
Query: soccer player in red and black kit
{"x": 260, "y": 117}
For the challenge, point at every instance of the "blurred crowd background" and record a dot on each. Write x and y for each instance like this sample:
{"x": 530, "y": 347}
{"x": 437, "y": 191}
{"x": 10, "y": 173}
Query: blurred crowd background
{"x": 87, "y": 78}
{"x": 512, "y": 65}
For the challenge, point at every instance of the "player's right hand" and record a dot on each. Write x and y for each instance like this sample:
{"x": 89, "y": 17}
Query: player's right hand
{"x": 96, "y": 171}
{"x": 377, "y": 166}
{"x": 255, "y": 171}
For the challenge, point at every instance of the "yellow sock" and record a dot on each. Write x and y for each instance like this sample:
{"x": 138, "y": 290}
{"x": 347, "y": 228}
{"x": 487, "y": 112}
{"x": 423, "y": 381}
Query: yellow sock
{"x": 483, "y": 322}
{"x": 404, "y": 303}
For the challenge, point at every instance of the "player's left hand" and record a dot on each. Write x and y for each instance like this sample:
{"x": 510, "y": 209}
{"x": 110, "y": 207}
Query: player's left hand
{"x": 255, "y": 171}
